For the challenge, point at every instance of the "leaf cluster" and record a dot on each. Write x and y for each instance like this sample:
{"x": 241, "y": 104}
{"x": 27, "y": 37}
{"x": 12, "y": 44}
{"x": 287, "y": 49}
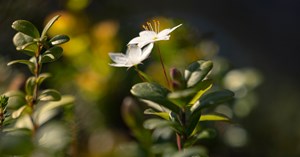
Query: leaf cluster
{"x": 182, "y": 108}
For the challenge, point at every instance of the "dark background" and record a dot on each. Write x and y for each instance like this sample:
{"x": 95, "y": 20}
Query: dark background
{"x": 263, "y": 34}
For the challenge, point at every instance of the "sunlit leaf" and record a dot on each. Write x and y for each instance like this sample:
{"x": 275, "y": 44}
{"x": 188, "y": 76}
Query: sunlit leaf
{"x": 47, "y": 111}
{"x": 214, "y": 117}
{"x": 42, "y": 77}
{"x": 182, "y": 97}
{"x": 29, "y": 86}
{"x": 27, "y": 62}
{"x": 52, "y": 54}
{"x": 163, "y": 115}
{"x": 212, "y": 99}
{"x": 49, "y": 95}
{"x": 59, "y": 39}
{"x": 154, "y": 92}
{"x": 25, "y": 44}
{"x": 21, "y": 111}
{"x": 197, "y": 71}
{"x": 48, "y": 25}
{"x": 204, "y": 86}
{"x": 26, "y": 27}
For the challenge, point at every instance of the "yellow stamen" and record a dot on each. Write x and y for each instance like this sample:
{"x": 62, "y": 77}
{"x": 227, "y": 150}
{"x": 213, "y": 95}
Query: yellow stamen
{"x": 150, "y": 26}
{"x": 145, "y": 27}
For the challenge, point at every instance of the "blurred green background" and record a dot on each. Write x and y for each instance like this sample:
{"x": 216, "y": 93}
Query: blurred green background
{"x": 254, "y": 46}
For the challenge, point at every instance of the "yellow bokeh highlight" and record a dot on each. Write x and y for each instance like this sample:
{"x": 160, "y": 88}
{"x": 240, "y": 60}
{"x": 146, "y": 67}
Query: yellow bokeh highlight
{"x": 64, "y": 25}
{"x": 77, "y": 5}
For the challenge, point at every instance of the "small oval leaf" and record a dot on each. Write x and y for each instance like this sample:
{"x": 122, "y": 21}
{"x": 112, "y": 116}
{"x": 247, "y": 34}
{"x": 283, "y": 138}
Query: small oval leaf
{"x": 154, "y": 92}
{"x": 30, "y": 84}
{"x": 27, "y": 62}
{"x": 197, "y": 71}
{"x": 26, "y": 27}
{"x": 49, "y": 95}
{"x": 52, "y": 54}
{"x": 214, "y": 117}
{"x": 48, "y": 25}
{"x": 59, "y": 39}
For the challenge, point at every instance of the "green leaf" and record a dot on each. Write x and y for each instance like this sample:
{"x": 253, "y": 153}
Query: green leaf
{"x": 27, "y": 62}
{"x": 49, "y": 95}
{"x": 48, "y": 25}
{"x": 156, "y": 123}
{"x": 45, "y": 112}
{"x": 16, "y": 99}
{"x": 191, "y": 152}
{"x": 16, "y": 142}
{"x": 204, "y": 134}
{"x": 25, "y": 44}
{"x": 197, "y": 71}
{"x": 21, "y": 111}
{"x": 52, "y": 54}
{"x": 182, "y": 97}
{"x": 26, "y": 27}
{"x": 193, "y": 120}
{"x": 42, "y": 77}
{"x": 203, "y": 87}
{"x": 29, "y": 86}
{"x": 163, "y": 115}
{"x": 212, "y": 99}
{"x": 154, "y": 92}
{"x": 214, "y": 117}
{"x": 59, "y": 39}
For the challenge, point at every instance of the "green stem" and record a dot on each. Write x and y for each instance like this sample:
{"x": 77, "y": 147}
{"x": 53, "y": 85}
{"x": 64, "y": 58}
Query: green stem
{"x": 36, "y": 86}
{"x": 142, "y": 75}
{"x": 163, "y": 66}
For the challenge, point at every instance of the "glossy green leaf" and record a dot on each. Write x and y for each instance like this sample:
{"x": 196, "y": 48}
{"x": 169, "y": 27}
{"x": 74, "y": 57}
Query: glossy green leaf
{"x": 191, "y": 152}
{"x": 26, "y": 27}
{"x": 16, "y": 99}
{"x": 212, "y": 99}
{"x": 197, "y": 71}
{"x": 21, "y": 111}
{"x": 52, "y": 54}
{"x": 48, "y": 25}
{"x": 156, "y": 123}
{"x": 193, "y": 120}
{"x": 16, "y": 142}
{"x": 163, "y": 115}
{"x": 27, "y": 62}
{"x": 46, "y": 111}
{"x": 214, "y": 117}
{"x": 49, "y": 95}
{"x": 203, "y": 87}
{"x": 183, "y": 97}
{"x": 29, "y": 86}
{"x": 42, "y": 77}
{"x": 154, "y": 92}
{"x": 25, "y": 44}
{"x": 59, "y": 39}
{"x": 204, "y": 134}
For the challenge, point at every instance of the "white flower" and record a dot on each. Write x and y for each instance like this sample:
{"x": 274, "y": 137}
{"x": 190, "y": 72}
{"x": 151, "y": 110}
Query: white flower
{"x": 134, "y": 55}
{"x": 151, "y": 34}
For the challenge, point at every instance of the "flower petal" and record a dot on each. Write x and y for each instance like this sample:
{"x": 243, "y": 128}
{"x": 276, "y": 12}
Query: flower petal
{"x": 166, "y": 32}
{"x": 120, "y": 65}
{"x": 118, "y": 58}
{"x": 146, "y": 51}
